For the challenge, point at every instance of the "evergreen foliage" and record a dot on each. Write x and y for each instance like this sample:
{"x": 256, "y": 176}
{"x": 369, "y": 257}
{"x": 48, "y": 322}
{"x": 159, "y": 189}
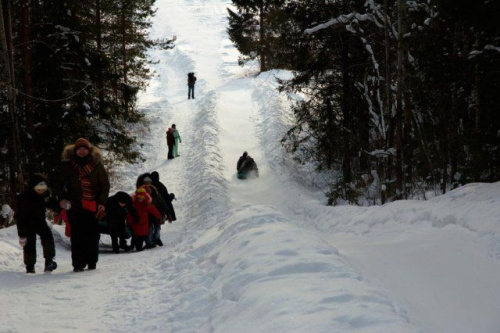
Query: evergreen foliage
{"x": 398, "y": 96}
{"x": 87, "y": 63}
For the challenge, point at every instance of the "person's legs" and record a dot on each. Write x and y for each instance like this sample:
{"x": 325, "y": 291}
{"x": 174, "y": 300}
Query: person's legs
{"x": 150, "y": 238}
{"x": 49, "y": 248}
{"x": 29, "y": 253}
{"x": 139, "y": 242}
{"x": 170, "y": 152}
{"x": 114, "y": 242}
{"x": 157, "y": 235}
{"x": 77, "y": 240}
{"x": 114, "y": 233}
{"x": 92, "y": 240}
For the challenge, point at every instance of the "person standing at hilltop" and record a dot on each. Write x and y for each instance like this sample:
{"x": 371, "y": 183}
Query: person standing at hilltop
{"x": 191, "y": 81}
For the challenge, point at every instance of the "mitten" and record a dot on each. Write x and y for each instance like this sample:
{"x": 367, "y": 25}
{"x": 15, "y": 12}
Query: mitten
{"x": 100, "y": 214}
{"x": 22, "y": 241}
{"x": 65, "y": 204}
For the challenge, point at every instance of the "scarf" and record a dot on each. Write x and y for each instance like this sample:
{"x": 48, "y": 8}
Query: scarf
{"x": 88, "y": 199}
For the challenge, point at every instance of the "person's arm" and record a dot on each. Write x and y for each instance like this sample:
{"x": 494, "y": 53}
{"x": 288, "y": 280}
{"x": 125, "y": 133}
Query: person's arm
{"x": 22, "y": 216}
{"x": 104, "y": 184}
{"x": 153, "y": 211}
{"x": 238, "y": 165}
{"x": 57, "y": 180}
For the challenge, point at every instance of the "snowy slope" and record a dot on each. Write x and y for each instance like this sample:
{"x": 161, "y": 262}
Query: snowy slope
{"x": 264, "y": 255}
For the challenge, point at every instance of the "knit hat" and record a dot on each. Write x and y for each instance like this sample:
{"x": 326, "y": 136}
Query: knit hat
{"x": 36, "y": 179}
{"x": 81, "y": 142}
{"x": 155, "y": 176}
{"x": 140, "y": 192}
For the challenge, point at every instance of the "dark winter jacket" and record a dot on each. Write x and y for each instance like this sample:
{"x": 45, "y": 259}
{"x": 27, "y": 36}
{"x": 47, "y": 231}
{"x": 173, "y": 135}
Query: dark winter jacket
{"x": 162, "y": 189}
{"x": 31, "y": 208}
{"x": 191, "y": 79}
{"x": 116, "y": 214}
{"x": 247, "y": 164}
{"x": 66, "y": 182}
{"x": 170, "y": 137}
{"x": 158, "y": 201}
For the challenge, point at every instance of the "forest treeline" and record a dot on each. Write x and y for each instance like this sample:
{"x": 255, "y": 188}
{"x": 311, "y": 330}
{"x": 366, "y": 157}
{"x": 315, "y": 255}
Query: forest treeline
{"x": 395, "y": 98}
{"x": 70, "y": 69}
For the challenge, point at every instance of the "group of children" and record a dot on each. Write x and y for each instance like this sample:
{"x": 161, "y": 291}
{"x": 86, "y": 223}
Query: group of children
{"x": 139, "y": 216}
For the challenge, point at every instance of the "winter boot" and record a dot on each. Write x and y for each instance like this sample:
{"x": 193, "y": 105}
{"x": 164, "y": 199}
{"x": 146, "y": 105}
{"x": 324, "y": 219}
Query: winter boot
{"x": 92, "y": 266}
{"x": 50, "y": 265}
{"x": 78, "y": 269}
{"x": 30, "y": 269}
{"x": 159, "y": 242}
{"x": 126, "y": 248}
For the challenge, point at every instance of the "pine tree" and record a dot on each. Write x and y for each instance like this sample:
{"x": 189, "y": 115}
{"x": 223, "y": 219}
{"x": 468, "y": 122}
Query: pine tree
{"x": 250, "y": 30}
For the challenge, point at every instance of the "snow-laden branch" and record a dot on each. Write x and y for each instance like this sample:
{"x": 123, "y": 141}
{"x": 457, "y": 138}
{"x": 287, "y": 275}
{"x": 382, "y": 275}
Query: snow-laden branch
{"x": 344, "y": 20}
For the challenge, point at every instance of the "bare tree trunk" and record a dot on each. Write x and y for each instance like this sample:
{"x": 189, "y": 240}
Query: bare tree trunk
{"x": 399, "y": 102}
{"x": 263, "y": 41}
{"x": 388, "y": 100}
{"x": 16, "y": 176}
{"x": 100, "y": 82}
{"x": 346, "y": 160}
{"x": 454, "y": 135}
{"x": 478, "y": 139}
{"x": 29, "y": 107}
{"x": 124, "y": 42}
{"x": 124, "y": 54}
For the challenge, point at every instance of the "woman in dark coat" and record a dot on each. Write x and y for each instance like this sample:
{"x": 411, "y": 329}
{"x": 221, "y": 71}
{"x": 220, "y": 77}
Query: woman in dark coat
{"x": 30, "y": 215}
{"x": 82, "y": 184}
{"x": 170, "y": 143}
{"x": 118, "y": 207}
{"x": 167, "y": 197}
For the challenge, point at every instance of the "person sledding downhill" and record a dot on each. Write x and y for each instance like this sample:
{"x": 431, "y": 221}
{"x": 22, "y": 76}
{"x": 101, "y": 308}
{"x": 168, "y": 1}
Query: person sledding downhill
{"x": 30, "y": 216}
{"x": 246, "y": 167}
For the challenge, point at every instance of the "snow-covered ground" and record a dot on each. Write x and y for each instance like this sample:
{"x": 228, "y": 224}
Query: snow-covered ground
{"x": 264, "y": 255}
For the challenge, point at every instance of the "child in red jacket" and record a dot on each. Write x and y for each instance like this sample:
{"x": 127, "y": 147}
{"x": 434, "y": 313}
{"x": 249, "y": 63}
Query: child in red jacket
{"x": 142, "y": 203}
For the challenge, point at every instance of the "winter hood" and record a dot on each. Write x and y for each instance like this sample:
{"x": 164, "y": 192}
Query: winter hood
{"x": 69, "y": 152}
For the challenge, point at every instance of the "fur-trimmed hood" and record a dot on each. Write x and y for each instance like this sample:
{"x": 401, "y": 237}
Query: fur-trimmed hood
{"x": 69, "y": 153}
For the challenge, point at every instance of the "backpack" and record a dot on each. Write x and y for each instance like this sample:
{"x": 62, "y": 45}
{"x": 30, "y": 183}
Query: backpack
{"x": 191, "y": 78}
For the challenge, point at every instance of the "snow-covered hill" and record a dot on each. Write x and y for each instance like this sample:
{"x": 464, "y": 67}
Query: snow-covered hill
{"x": 264, "y": 255}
